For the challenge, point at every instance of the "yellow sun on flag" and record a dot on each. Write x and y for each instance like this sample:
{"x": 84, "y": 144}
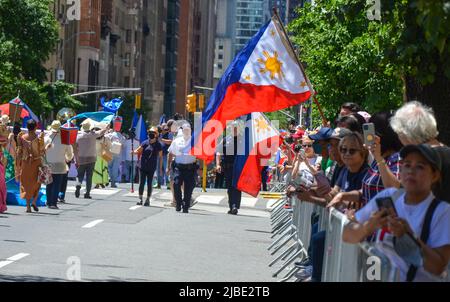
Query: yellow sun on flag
{"x": 272, "y": 65}
{"x": 261, "y": 124}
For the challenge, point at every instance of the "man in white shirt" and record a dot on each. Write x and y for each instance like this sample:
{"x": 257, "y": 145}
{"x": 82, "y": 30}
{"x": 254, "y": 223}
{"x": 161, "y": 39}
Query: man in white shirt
{"x": 130, "y": 159}
{"x": 185, "y": 168}
{"x": 117, "y": 142}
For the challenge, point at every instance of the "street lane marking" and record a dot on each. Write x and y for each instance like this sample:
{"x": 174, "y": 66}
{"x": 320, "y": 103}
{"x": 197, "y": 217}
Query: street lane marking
{"x": 92, "y": 224}
{"x": 135, "y": 208}
{"x": 248, "y": 202}
{"x": 166, "y": 196}
{"x": 18, "y": 257}
{"x": 209, "y": 199}
{"x": 105, "y": 192}
{"x": 13, "y": 259}
{"x": 5, "y": 263}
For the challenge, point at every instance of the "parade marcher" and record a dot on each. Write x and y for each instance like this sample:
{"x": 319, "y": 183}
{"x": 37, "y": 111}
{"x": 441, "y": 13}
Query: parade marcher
{"x": 57, "y": 156}
{"x": 4, "y": 135}
{"x": 100, "y": 176}
{"x": 131, "y": 160}
{"x": 117, "y": 142}
{"x": 30, "y": 149}
{"x": 184, "y": 168}
{"x": 86, "y": 156}
{"x": 230, "y": 152}
{"x": 150, "y": 150}
{"x": 166, "y": 139}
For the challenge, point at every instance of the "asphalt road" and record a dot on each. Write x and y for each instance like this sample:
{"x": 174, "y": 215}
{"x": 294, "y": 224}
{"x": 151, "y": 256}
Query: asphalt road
{"x": 108, "y": 238}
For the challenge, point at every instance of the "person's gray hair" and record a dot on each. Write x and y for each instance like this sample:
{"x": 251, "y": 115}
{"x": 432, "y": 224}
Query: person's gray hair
{"x": 416, "y": 122}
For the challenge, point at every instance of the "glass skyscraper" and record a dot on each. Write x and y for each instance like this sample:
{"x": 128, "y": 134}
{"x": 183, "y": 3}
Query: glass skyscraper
{"x": 250, "y": 15}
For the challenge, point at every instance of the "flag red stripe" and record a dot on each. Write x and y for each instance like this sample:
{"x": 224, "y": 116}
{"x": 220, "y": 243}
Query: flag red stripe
{"x": 250, "y": 178}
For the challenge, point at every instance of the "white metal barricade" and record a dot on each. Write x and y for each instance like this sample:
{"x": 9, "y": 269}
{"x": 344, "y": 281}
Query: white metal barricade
{"x": 340, "y": 261}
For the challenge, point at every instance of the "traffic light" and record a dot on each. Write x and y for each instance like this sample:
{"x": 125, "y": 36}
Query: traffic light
{"x": 191, "y": 103}
{"x": 201, "y": 102}
{"x": 137, "y": 101}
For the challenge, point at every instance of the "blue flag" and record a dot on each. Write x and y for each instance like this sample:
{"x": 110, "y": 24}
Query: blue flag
{"x": 112, "y": 105}
{"x": 141, "y": 130}
{"x": 135, "y": 120}
{"x": 162, "y": 119}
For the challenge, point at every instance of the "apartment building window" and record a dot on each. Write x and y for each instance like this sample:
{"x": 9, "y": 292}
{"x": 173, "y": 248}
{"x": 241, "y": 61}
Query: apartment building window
{"x": 128, "y": 36}
{"x": 127, "y": 59}
{"x": 220, "y": 56}
{"x": 220, "y": 47}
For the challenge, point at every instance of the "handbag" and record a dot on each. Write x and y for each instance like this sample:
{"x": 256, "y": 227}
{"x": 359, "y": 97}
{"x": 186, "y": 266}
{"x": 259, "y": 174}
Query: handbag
{"x": 44, "y": 171}
{"x": 116, "y": 147}
{"x": 106, "y": 153}
{"x": 45, "y": 174}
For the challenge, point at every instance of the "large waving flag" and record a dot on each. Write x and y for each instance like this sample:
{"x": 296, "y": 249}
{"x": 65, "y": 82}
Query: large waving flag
{"x": 100, "y": 117}
{"x": 263, "y": 141}
{"x": 265, "y": 76}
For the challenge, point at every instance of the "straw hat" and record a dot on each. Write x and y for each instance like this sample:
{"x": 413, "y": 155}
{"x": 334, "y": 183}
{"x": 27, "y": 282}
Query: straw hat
{"x": 86, "y": 125}
{"x": 55, "y": 126}
{"x": 4, "y": 120}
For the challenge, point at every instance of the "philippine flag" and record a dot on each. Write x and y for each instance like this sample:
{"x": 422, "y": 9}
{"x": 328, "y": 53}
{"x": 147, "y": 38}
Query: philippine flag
{"x": 264, "y": 77}
{"x": 263, "y": 141}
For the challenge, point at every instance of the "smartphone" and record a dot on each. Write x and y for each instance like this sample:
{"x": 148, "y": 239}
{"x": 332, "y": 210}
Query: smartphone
{"x": 369, "y": 134}
{"x": 388, "y": 204}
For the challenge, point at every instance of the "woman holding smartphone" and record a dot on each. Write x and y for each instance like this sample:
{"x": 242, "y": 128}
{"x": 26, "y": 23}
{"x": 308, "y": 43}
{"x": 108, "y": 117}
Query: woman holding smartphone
{"x": 419, "y": 172}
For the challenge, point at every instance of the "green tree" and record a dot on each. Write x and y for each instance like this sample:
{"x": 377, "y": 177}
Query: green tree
{"x": 378, "y": 64}
{"x": 344, "y": 56}
{"x": 28, "y": 34}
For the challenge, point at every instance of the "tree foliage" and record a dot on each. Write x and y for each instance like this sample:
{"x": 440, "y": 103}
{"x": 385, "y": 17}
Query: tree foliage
{"x": 403, "y": 56}
{"x": 345, "y": 55}
{"x": 28, "y": 35}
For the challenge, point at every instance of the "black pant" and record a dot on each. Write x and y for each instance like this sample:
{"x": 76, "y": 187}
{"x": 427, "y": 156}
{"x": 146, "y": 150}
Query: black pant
{"x": 234, "y": 195}
{"x": 187, "y": 177}
{"x": 52, "y": 189}
{"x": 88, "y": 170}
{"x": 63, "y": 188}
{"x": 146, "y": 176}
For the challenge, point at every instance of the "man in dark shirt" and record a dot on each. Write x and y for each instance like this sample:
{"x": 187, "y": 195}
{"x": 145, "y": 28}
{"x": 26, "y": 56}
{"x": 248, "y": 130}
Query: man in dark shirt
{"x": 230, "y": 152}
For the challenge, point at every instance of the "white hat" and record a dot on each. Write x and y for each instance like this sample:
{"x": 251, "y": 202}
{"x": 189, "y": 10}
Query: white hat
{"x": 4, "y": 120}
{"x": 55, "y": 126}
{"x": 86, "y": 125}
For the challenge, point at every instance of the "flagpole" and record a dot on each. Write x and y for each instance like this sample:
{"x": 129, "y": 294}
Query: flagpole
{"x": 300, "y": 65}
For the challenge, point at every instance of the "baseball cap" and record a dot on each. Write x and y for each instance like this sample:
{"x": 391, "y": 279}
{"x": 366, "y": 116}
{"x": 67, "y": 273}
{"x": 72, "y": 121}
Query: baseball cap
{"x": 323, "y": 134}
{"x": 298, "y": 134}
{"x": 340, "y": 133}
{"x": 430, "y": 154}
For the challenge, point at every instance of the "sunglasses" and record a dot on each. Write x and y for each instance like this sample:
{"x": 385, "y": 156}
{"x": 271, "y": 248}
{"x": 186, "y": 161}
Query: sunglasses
{"x": 306, "y": 146}
{"x": 349, "y": 151}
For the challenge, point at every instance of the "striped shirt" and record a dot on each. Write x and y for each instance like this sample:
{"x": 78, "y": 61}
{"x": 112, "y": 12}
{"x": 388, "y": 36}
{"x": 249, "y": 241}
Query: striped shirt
{"x": 372, "y": 182}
